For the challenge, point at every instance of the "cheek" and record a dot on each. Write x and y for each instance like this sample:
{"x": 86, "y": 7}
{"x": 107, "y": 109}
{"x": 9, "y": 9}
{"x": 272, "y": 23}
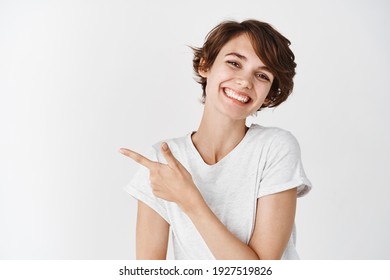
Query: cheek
{"x": 214, "y": 80}
{"x": 263, "y": 89}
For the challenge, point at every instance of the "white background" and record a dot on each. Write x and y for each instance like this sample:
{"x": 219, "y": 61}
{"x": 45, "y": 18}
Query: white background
{"x": 80, "y": 79}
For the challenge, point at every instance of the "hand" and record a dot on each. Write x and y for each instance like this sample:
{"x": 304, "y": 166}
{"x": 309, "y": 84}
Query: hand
{"x": 170, "y": 181}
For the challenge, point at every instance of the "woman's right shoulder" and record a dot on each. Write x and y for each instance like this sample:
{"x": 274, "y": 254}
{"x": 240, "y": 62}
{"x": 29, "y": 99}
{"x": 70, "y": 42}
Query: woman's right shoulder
{"x": 172, "y": 142}
{"x": 175, "y": 144}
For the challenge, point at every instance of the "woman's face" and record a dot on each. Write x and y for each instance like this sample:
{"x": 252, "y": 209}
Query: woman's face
{"x": 238, "y": 81}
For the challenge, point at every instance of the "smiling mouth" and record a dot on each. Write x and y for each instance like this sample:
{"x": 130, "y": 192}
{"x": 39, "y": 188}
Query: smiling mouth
{"x": 236, "y": 96}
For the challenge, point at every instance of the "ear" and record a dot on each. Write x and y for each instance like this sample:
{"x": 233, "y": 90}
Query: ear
{"x": 266, "y": 101}
{"x": 201, "y": 70}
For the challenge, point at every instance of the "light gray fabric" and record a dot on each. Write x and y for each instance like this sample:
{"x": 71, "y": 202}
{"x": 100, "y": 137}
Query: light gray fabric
{"x": 266, "y": 161}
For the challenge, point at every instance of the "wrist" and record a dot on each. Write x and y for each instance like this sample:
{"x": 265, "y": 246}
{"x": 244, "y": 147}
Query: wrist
{"x": 192, "y": 202}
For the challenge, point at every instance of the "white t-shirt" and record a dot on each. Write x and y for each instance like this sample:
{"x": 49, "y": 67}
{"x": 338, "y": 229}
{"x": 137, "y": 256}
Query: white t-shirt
{"x": 266, "y": 161}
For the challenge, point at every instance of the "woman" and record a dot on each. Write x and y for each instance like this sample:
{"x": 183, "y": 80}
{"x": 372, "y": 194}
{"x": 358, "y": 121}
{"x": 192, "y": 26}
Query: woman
{"x": 226, "y": 191}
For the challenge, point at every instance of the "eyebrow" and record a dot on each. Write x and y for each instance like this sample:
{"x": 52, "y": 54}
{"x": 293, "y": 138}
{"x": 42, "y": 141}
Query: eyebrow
{"x": 243, "y": 57}
{"x": 238, "y": 55}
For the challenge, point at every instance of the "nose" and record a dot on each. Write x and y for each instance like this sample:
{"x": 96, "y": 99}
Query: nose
{"x": 244, "y": 82}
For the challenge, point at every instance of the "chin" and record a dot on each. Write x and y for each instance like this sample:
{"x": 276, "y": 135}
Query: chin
{"x": 237, "y": 117}
{"x": 237, "y": 114}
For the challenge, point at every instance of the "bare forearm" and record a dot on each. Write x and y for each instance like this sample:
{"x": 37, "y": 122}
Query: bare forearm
{"x": 221, "y": 242}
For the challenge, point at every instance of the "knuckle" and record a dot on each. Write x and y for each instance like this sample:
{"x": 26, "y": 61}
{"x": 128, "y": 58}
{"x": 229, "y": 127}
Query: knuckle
{"x": 153, "y": 171}
{"x": 154, "y": 182}
{"x": 154, "y": 167}
{"x": 155, "y": 191}
{"x": 137, "y": 157}
{"x": 153, "y": 178}
{"x": 154, "y": 186}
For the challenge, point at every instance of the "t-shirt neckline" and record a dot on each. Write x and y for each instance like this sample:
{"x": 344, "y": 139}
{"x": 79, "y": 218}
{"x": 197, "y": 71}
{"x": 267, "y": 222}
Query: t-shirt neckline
{"x": 225, "y": 158}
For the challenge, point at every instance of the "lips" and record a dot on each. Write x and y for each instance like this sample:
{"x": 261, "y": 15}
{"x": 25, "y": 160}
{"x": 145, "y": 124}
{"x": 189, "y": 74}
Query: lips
{"x": 235, "y": 95}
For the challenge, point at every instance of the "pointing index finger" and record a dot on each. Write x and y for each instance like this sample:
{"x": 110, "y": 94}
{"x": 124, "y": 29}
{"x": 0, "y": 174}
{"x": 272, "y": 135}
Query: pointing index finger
{"x": 138, "y": 158}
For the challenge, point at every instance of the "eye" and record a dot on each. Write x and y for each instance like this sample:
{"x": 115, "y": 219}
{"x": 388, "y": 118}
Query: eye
{"x": 233, "y": 63}
{"x": 262, "y": 77}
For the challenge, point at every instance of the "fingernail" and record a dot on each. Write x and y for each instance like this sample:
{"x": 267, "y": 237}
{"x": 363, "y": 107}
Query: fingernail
{"x": 164, "y": 146}
{"x": 121, "y": 151}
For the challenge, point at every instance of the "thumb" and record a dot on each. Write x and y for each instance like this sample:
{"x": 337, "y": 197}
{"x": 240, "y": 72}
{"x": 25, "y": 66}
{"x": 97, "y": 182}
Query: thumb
{"x": 166, "y": 151}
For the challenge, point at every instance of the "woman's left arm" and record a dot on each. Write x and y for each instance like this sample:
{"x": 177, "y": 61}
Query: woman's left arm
{"x": 273, "y": 226}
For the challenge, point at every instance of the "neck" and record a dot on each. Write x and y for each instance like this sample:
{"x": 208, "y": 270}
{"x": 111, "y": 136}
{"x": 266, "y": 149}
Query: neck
{"x": 218, "y": 136}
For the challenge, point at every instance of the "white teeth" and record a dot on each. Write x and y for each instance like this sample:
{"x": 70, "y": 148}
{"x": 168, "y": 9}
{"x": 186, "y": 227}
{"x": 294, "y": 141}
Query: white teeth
{"x": 233, "y": 94}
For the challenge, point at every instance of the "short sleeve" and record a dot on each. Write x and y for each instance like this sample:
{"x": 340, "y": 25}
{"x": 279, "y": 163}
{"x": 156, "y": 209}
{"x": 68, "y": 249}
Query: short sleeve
{"x": 139, "y": 187}
{"x": 283, "y": 168}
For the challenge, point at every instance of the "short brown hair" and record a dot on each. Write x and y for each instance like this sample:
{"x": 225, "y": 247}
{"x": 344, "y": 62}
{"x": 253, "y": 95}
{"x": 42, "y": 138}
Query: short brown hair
{"x": 271, "y": 47}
